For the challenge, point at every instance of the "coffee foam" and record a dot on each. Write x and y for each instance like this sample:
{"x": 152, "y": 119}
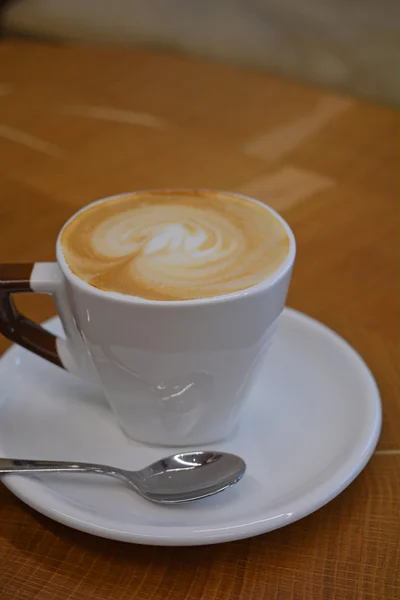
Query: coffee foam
{"x": 174, "y": 245}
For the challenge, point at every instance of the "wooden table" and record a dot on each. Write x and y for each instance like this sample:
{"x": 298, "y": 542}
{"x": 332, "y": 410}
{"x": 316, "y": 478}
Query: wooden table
{"x": 80, "y": 123}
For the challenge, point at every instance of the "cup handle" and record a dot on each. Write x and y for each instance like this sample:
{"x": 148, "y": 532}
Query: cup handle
{"x": 23, "y": 278}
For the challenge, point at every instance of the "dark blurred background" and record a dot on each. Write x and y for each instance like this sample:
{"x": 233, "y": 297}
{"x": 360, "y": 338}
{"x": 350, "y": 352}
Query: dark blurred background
{"x": 351, "y": 45}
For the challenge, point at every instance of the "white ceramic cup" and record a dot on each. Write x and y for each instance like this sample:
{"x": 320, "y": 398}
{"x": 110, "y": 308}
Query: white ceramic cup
{"x": 174, "y": 372}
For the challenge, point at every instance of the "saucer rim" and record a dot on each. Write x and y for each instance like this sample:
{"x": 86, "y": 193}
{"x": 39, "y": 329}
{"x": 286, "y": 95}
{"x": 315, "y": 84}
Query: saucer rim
{"x": 47, "y": 502}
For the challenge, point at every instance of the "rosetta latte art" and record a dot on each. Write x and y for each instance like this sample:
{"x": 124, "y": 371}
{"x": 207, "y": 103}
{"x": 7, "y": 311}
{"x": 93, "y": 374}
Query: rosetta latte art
{"x": 174, "y": 246}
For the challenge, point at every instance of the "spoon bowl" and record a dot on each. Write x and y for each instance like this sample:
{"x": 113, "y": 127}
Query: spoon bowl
{"x": 190, "y": 476}
{"x": 178, "y": 478}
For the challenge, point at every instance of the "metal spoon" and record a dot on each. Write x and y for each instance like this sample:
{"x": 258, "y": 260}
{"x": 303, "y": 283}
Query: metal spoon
{"x": 171, "y": 480}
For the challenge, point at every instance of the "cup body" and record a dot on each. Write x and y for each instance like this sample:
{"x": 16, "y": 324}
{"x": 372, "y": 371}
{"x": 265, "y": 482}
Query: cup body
{"x": 175, "y": 373}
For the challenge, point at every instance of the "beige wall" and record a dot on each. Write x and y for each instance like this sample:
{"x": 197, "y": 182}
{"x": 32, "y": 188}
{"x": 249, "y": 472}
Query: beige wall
{"x": 349, "y": 44}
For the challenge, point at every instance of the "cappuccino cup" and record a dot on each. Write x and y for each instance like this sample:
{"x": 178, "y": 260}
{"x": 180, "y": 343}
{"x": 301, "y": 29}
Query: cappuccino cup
{"x": 169, "y": 300}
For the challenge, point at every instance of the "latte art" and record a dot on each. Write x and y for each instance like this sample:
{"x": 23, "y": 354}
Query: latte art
{"x": 169, "y": 246}
{"x": 172, "y": 246}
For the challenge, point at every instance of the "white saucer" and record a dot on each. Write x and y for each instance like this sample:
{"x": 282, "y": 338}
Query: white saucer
{"x": 311, "y": 425}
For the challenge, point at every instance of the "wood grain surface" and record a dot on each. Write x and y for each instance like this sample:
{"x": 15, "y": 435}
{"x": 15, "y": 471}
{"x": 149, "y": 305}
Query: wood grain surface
{"x": 79, "y": 123}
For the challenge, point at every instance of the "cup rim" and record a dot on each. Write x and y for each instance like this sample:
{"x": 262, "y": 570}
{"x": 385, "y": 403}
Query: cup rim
{"x": 256, "y": 289}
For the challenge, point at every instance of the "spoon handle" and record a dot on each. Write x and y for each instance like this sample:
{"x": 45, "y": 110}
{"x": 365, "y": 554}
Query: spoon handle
{"x": 18, "y": 465}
